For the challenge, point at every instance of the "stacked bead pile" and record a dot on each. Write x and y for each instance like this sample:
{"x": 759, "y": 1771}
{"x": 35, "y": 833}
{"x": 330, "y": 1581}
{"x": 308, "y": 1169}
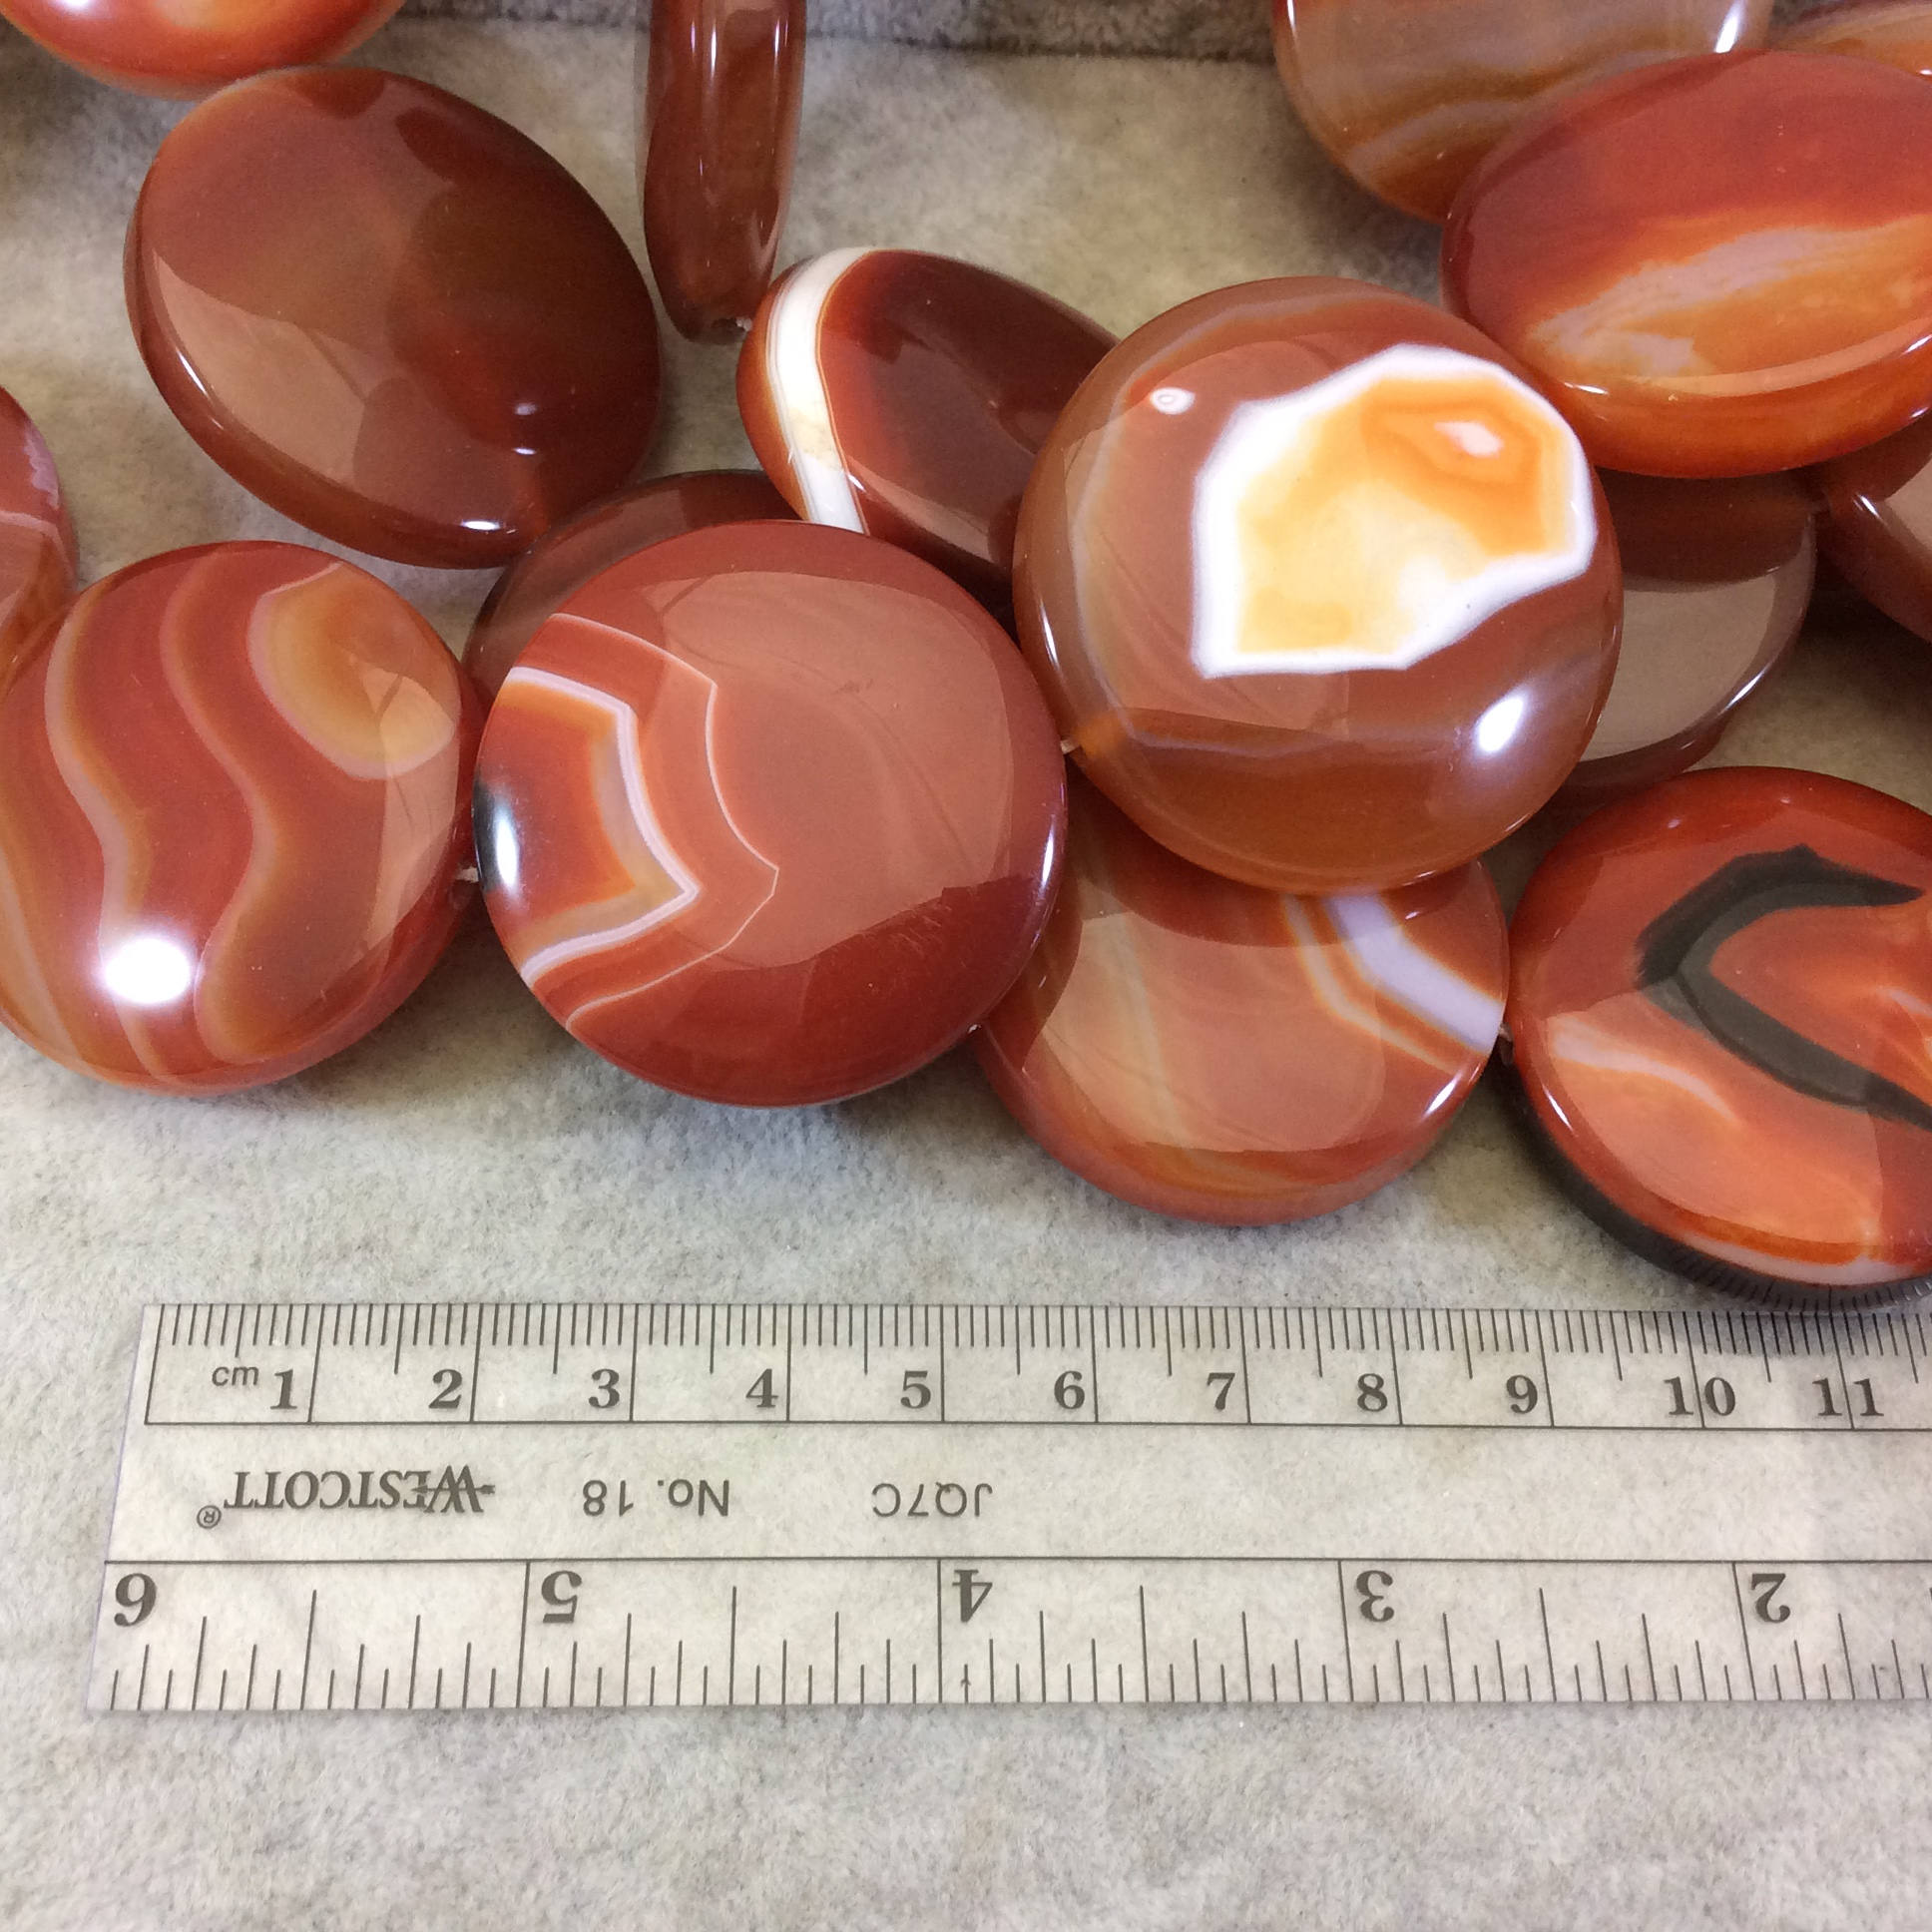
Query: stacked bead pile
{"x": 1323, "y": 592}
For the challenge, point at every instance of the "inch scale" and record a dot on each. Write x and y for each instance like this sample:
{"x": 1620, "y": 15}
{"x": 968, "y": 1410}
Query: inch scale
{"x": 382, "y": 1507}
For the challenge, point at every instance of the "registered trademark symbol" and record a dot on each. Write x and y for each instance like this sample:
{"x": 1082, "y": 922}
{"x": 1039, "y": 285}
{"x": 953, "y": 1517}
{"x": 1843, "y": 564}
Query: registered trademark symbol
{"x": 208, "y": 1516}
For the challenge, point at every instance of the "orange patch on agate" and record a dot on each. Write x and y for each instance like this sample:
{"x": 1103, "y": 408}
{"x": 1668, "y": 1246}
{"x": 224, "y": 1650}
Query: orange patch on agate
{"x": 1382, "y": 514}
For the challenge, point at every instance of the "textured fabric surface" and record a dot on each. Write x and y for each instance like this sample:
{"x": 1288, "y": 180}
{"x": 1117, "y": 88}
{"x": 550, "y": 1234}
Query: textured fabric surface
{"x": 1202, "y": 29}
{"x": 469, "y": 1149}
{"x": 1196, "y": 29}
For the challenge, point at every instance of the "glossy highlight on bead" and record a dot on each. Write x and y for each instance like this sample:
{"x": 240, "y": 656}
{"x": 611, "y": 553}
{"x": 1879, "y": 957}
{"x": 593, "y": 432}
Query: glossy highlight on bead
{"x": 233, "y": 819}
{"x": 390, "y": 315}
{"x": 1209, "y": 1050}
{"x": 770, "y": 813}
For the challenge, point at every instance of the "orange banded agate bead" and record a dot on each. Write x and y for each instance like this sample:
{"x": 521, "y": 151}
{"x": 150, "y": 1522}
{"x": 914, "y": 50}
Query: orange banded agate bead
{"x": 1212, "y": 1050}
{"x": 1717, "y": 1015}
{"x": 233, "y": 819}
{"x": 1320, "y": 590}
{"x": 1713, "y": 267}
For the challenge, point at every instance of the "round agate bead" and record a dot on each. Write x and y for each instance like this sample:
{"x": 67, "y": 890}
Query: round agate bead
{"x": 163, "y": 47}
{"x": 770, "y": 813}
{"x": 1717, "y": 577}
{"x": 907, "y": 396}
{"x": 36, "y": 556}
{"x": 558, "y": 565}
{"x": 1215, "y": 1051}
{"x": 390, "y": 315}
{"x": 1717, "y": 266}
{"x": 1321, "y": 592}
{"x": 233, "y": 819}
{"x": 1409, "y": 94}
{"x": 1717, "y": 1017}
{"x": 718, "y": 127}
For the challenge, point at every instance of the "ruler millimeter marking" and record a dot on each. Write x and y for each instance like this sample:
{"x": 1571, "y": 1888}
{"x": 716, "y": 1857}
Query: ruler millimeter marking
{"x": 368, "y": 1506}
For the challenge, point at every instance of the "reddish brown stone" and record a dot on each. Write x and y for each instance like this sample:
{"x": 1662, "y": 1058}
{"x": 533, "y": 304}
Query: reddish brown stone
{"x": 1716, "y": 579}
{"x": 234, "y": 813}
{"x": 907, "y": 396}
{"x": 390, "y": 315}
{"x": 1877, "y": 524}
{"x": 718, "y": 127}
{"x": 1717, "y": 1014}
{"x": 1320, "y": 591}
{"x": 1717, "y": 266}
{"x": 1210, "y": 1050}
{"x": 770, "y": 815}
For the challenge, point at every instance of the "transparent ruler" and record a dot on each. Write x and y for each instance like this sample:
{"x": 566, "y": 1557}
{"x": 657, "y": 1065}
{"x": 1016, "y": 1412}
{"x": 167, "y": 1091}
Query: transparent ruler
{"x": 416, "y": 1507}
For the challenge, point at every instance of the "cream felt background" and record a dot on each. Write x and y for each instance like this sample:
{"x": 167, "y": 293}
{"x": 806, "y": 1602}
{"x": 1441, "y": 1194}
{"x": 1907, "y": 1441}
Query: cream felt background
{"x": 469, "y": 1149}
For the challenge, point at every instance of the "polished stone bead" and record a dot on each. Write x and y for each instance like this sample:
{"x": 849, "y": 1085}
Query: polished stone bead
{"x": 1321, "y": 593}
{"x": 1717, "y": 266}
{"x": 556, "y": 566}
{"x": 907, "y": 396}
{"x": 717, "y": 126}
{"x": 1897, "y": 32}
{"x": 37, "y": 558}
{"x": 1717, "y": 1010}
{"x": 1409, "y": 94}
{"x": 167, "y": 48}
{"x": 1210, "y": 1050}
{"x": 390, "y": 315}
{"x": 770, "y": 813}
{"x": 1716, "y": 579}
{"x": 233, "y": 819}
{"x": 1877, "y": 523}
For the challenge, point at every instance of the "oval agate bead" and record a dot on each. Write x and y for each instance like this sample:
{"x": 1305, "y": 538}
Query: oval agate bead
{"x": 1716, "y": 1008}
{"x": 1320, "y": 591}
{"x": 36, "y": 556}
{"x": 907, "y": 396}
{"x": 233, "y": 819}
{"x": 390, "y": 315}
{"x": 717, "y": 124}
{"x": 1210, "y": 1050}
{"x": 770, "y": 813}
{"x": 1717, "y": 266}
{"x": 1716, "y": 580}
{"x": 1409, "y": 94}
{"x": 564, "y": 561}
{"x": 163, "y": 47}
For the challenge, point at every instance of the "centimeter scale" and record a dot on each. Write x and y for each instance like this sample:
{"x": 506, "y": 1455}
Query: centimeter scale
{"x": 367, "y": 1507}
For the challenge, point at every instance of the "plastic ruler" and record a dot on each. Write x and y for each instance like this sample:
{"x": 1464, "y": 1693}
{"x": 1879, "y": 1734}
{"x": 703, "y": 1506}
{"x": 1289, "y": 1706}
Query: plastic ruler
{"x": 412, "y": 1507}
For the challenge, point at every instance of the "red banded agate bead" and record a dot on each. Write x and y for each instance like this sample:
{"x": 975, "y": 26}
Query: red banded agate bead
{"x": 770, "y": 813}
{"x": 1215, "y": 1051}
{"x": 233, "y": 819}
